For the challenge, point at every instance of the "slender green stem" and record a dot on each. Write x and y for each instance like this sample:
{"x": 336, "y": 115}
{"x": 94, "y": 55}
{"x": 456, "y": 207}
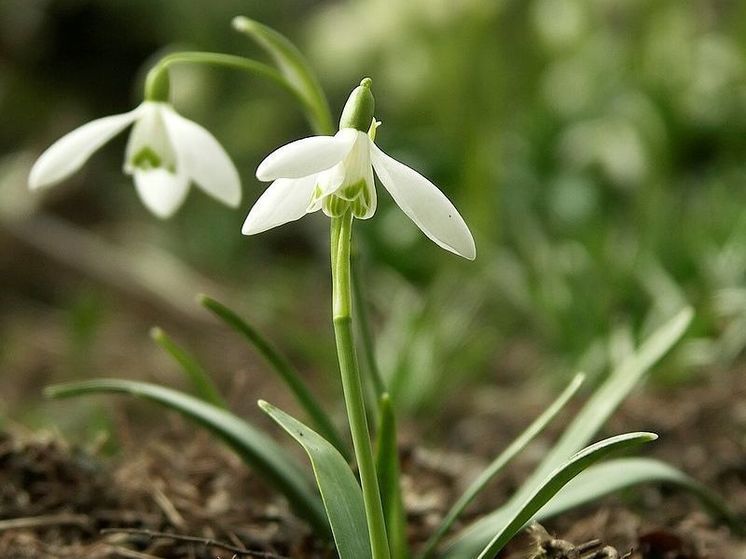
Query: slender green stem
{"x": 341, "y": 229}
{"x": 155, "y": 80}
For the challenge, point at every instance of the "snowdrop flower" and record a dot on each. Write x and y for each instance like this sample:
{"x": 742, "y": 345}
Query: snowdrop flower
{"x": 335, "y": 174}
{"x": 165, "y": 153}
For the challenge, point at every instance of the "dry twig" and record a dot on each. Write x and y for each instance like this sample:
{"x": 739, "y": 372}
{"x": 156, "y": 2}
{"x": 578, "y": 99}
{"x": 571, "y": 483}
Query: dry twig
{"x": 207, "y": 542}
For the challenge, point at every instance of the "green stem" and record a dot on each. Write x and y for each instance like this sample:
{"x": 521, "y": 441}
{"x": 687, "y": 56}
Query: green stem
{"x": 341, "y": 236}
{"x": 154, "y": 83}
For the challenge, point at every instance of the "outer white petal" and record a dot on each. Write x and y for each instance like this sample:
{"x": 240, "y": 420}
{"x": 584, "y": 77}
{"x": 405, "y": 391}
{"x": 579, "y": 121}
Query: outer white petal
{"x": 69, "y": 153}
{"x": 307, "y": 156}
{"x": 160, "y": 190}
{"x": 427, "y": 206}
{"x": 285, "y": 200}
{"x": 203, "y": 158}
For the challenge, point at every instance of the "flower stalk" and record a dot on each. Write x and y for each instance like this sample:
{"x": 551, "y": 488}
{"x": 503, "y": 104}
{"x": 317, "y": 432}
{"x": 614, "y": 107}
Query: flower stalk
{"x": 341, "y": 238}
{"x": 157, "y": 78}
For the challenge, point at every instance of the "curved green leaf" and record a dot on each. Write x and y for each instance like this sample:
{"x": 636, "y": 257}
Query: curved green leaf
{"x": 614, "y": 475}
{"x": 387, "y": 467}
{"x": 340, "y": 491}
{"x": 284, "y": 370}
{"x": 523, "y": 513}
{"x": 201, "y": 381}
{"x": 260, "y": 452}
{"x": 586, "y": 423}
{"x": 500, "y": 462}
{"x": 294, "y": 67}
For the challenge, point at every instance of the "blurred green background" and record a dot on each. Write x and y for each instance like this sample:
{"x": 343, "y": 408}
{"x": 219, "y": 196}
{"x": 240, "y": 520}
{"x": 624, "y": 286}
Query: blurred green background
{"x": 595, "y": 147}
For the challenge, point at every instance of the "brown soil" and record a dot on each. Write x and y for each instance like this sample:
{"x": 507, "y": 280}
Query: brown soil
{"x": 55, "y": 499}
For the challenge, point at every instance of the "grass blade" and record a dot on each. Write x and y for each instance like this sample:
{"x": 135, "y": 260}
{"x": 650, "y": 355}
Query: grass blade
{"x": 284, "y": 370}
{"x": 613, "y": 391}
{"x": 387, "y": 467}
{"x": 260, "y": 452}
{"x": 362, "y": 320}
{"x": 523, "y": 513}
{"x": 614, "y": 475}
{"x": 500, "y": 462}
{"x": 340, "y": 491}
{"x": 201, "y": 381}
{"x": 295, "y": 69}
{"x": 586, "y": 423}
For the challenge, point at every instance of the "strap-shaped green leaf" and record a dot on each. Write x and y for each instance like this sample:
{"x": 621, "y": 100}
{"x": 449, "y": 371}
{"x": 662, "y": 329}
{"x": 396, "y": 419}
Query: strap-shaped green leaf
{"x": 585, "y": 424}
{"x": 522, "y": 513}
{"x": 260, "y": 452}
{"x": 287, "y": 373}
{"x": 294, "y": 67}
{"x": 387, "y": 467}
{"x": 614, "y": 475}
{"x": 203, "y": 385}
{"x": 500, "y": 462}
{"x": 340, "y": 491}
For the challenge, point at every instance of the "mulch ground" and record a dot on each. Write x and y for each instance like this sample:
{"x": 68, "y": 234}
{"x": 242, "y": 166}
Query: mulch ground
{"x": 57, "y": 500}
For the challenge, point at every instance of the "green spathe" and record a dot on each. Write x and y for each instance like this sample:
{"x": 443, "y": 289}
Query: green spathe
{"x": 358, "y": 111}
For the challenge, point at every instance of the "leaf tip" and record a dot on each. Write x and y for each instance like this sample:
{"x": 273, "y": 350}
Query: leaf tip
{"x": 157, "y": 333}
{"x": 242, "y": 24}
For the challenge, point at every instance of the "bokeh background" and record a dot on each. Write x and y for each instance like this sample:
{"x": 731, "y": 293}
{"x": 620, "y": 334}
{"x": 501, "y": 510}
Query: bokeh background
{"x": 596, "y": 148}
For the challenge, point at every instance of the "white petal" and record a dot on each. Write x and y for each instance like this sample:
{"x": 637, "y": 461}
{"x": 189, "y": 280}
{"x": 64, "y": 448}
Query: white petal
{"x": 427, "y": 206}
{"x": 69, "y": 153}
{"x": 203, "y": 158}
{"x": 307, "y": 156}
{"x": 285, "y": 200}
{"x": 160, "y": 190}
{"x": 150, "y": 132}
{"x": 370, "y": 185}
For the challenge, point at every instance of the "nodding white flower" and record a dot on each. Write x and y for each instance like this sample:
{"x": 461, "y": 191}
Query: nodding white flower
{"x": 335, "y": 174}
{"x": 165, "y": 153}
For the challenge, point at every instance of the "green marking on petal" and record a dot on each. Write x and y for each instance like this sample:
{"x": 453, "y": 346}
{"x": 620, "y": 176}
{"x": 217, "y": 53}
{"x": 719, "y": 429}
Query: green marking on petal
{"x": 334, "y": 206}
{"x": 147, "y": 158}
{"x": 352, "y": 191}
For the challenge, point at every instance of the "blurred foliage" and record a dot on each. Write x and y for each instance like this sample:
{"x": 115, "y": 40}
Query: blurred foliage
{"x": 596, "y": 148}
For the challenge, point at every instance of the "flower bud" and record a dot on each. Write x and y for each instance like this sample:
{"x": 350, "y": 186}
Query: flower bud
{"x": 358, "y": 111}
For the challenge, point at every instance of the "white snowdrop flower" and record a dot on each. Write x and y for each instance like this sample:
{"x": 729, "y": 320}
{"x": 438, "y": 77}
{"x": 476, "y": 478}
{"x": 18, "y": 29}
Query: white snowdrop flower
{"x": 165, "y": 153}
{"x": 335, "y": 174}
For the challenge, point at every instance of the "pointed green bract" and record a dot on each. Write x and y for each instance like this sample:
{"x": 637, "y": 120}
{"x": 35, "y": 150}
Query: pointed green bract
{"x": 201, "y": 381}
{"x": 388, "y": 470}
{"x": 500, "y": 462}
{"x": 522, "y": 513}
{"x": 340, "y": 491}
{"x": 585, "y": 424}
{"x": 294, "y": 67}
{"x": 260, "y": 452}
{"x": 283, "y": 368}
{"x": 614, "y": 475}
